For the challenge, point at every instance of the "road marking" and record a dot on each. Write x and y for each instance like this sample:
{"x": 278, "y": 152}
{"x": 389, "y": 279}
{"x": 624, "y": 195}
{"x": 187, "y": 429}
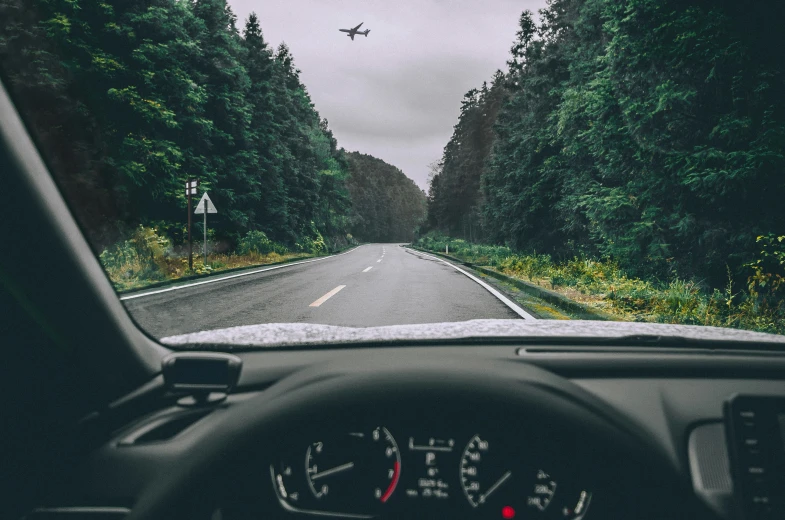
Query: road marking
{"x": 379, "y": 260}
{"x": 132, "y": 296}
{"x": 327, "y": 296}
{"x": 367, "y": 269}
{"x": 509, "y": 303}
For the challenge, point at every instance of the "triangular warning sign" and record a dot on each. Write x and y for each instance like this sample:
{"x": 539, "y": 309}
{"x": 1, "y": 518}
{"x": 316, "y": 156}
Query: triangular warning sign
{"x": 205, "y": 202}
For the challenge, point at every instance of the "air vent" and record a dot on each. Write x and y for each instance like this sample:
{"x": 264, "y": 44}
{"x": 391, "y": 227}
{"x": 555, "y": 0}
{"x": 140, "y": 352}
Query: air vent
{"x": 162, "y": 428}
{"x": 78, "y": 513}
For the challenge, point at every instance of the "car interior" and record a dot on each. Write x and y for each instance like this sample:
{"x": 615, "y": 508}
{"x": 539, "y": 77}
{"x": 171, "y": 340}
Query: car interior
{"x": 100, "y": 421}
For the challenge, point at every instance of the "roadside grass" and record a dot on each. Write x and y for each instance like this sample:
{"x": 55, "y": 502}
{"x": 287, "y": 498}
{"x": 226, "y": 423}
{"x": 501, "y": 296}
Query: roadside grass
{"x": 147, "y": 257}
{"x": 603, "y": 285}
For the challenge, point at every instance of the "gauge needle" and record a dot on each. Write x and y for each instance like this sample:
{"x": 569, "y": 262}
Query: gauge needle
{"x": 493, "y": 487}
{"x": 337, "y": 469}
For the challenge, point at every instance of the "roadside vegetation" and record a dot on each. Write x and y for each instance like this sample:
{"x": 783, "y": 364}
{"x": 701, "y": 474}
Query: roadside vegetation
{"x": 631, "y": 156}
{"x": 129, "y": 100}
{"x": 757, "y": 305}
{"x": 148, "y": 257}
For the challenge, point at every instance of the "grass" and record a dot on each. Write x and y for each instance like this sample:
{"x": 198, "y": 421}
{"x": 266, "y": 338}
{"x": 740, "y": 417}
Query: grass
{"x": 146, "y": 258}
{"x": 603, "y": 285}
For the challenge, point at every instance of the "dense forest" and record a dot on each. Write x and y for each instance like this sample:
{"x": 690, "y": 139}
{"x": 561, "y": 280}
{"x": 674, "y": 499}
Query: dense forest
{"x": 387, "y": 205}
{"x": 649, "y": 132}
{"x": 128, "y": 100}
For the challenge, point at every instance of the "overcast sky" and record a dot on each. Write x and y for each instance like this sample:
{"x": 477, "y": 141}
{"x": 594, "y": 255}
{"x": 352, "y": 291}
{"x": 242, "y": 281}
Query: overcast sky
{"x": 395, "y": 94}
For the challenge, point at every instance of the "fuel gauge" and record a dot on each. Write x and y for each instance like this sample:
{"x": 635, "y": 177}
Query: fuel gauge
{"x": 576, "y": 509}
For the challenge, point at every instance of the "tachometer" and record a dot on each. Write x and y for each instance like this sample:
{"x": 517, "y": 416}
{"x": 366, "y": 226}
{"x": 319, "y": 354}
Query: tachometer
{"x": 356, "y": 469}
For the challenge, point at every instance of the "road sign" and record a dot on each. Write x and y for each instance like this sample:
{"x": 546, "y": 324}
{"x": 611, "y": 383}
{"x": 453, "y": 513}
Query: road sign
{"x": 190, "y": 189}
{"x": 205, "y": 202}
{"x": 205, "y": 206}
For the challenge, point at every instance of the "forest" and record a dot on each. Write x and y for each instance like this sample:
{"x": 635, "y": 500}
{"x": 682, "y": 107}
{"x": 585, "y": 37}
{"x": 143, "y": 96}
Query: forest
{"x": 387, "y": 205}
{"x": 129, "y": 100}
{"x": 649, "y": 133}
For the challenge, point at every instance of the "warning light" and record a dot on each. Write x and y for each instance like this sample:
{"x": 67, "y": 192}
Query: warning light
{"x": 508, "y": 512}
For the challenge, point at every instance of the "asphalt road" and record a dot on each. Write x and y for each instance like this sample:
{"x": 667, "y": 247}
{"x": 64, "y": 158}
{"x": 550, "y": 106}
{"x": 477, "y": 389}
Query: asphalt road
{"x": 372, "y": 285}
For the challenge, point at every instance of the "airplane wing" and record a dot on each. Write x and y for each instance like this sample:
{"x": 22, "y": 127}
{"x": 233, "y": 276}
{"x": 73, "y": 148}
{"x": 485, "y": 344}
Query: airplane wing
{"x": 351, "y": 35}
{"x": 355, "y": 29}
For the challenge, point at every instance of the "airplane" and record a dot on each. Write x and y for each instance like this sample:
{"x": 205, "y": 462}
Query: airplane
{"x": 355, "y": 31}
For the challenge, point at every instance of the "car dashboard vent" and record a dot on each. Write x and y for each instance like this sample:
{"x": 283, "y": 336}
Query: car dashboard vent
{"x": 78, "y": 513}
{"x": 162, "y": 428}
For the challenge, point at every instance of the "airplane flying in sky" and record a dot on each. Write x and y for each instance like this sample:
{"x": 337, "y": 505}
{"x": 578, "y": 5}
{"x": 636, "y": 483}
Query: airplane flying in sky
{"x": 355, "y": 31}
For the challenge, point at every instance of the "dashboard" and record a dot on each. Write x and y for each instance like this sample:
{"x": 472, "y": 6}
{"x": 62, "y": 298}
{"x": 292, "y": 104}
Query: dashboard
{"x": 502, "y": 472}
{"x": 465, "y": 432}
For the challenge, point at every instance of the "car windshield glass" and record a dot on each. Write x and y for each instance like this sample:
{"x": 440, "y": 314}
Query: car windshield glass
{"x": 367, "y": 163}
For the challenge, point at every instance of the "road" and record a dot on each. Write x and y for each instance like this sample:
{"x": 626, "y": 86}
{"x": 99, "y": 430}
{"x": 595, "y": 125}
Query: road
{"x": 372, "y": 285}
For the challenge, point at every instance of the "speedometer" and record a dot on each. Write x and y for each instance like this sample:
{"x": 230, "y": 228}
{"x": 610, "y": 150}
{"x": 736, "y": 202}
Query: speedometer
{"x": 493, "y": 475}
{"x": 478, "y": 485}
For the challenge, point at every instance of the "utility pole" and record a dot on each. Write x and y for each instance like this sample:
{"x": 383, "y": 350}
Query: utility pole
{"x": 190, "y": 189}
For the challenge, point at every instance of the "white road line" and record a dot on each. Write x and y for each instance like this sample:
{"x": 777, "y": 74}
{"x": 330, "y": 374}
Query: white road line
{"x": 379, "y": 260}
{"x": 327, "y": 296}
{"x": 367, "y": 269}
{"x": 509, "y": 303}
{"x": 132, "y": 296}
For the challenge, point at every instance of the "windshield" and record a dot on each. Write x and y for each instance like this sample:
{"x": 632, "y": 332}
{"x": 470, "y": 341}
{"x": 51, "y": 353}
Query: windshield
{"x": 364, "y": 164}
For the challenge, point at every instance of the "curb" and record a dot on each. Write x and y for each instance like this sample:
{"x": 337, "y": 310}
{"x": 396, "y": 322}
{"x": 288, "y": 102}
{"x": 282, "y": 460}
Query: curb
{"x": 559, "y": 301}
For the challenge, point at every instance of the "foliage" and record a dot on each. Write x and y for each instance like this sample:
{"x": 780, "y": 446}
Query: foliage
{"x": 147, "y": 257}
{"x": 141, "y": 256}
{"x": 387, "y": 205}
{"x": 766, "y": 284}
{"x": 454, "y": 199}
{"x": 649, "y": 133}
{"x": 130, "y": 99}
{"x": 257, "y": 242}
{"x": 313, "y": 243}
{"x": 607, "y": 286}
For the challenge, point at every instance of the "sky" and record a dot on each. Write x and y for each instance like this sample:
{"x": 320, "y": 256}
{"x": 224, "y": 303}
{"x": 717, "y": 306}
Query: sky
{"x": 396, "y": 94}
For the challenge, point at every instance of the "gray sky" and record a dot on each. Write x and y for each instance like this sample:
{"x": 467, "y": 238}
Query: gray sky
{"x": 395, "y": 94}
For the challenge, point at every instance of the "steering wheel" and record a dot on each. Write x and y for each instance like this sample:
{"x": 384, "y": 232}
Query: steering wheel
{"x": 631, "y": 460}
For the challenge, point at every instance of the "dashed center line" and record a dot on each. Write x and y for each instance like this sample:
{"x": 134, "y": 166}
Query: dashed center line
{"x": 327, "y": 296}
{"x": 379, "y": 260}
{"x": 367, "y": 269}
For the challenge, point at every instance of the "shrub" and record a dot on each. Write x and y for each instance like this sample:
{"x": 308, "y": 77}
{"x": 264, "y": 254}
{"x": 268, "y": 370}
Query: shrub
{"x": 313, "y": 243}
{"x": 258, "y": 243}
{"x": 760, "y": 307}
{"x": 142, "y": 256}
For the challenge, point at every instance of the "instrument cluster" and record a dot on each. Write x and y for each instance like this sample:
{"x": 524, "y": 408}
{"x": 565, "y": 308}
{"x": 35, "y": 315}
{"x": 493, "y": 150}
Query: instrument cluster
{"x": 378, "y": 472}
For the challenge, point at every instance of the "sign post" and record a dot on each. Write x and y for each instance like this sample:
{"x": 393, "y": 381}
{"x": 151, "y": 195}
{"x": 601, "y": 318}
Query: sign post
{"x": 205, "y": 206}
{"x": 190, "y": 189}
